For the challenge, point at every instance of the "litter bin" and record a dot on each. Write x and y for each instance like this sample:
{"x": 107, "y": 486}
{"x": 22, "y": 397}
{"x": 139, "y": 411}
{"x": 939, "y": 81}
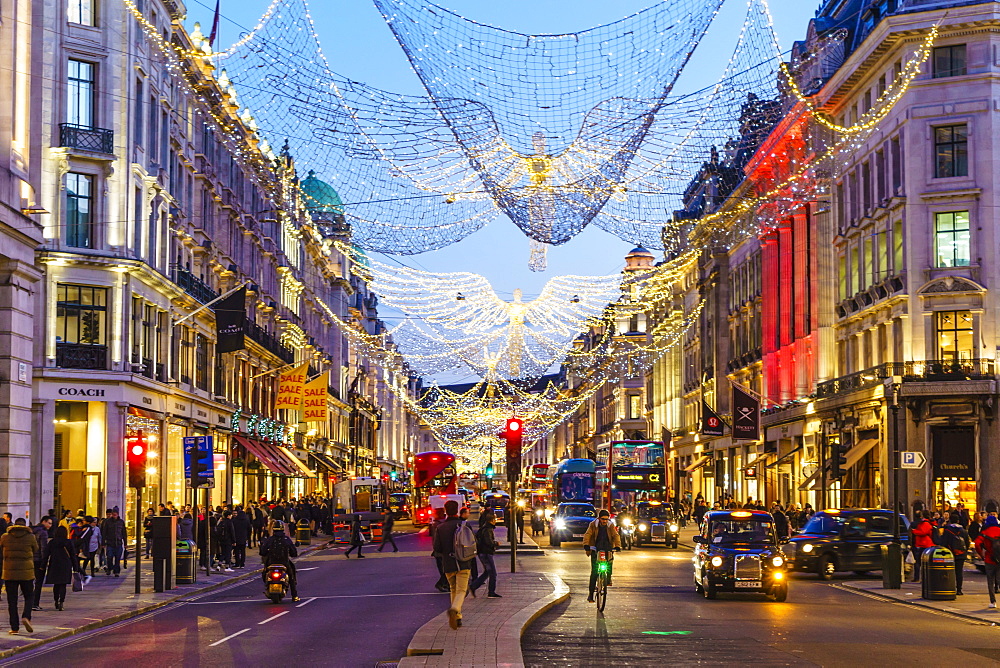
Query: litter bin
{"x": 937, "y": 574}
{"x": 892, "y": 566}
{"x": 187, "y": 563}
{"x": 303, "y": 534}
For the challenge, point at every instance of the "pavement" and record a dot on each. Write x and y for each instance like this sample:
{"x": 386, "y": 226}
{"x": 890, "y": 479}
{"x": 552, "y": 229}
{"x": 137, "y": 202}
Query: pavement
{"x": 491, "y": 627}
{"x": 973, "y": 604}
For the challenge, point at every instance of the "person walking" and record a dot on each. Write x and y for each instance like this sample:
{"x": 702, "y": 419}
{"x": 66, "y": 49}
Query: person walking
{"x": 41, "y": 531}
{"x": 113, "y": 535}
{"x": 90, "y": 545}
{"x": 59, "y": 568}
{"x": 387, "y": 521}
{"x": 442, "y": 582}
{"x": 986, "y": 545}
{"x": 242, "y": 528}
{"x": 19, "y": 547}
{"x": 147, "y": 530}
{"x": 956, "y": 538}
{"x": 226, "y": 534}
{"x": 486, "y": 547}
{"x": 357, "y": 538}
{"x": 456, "y": 571}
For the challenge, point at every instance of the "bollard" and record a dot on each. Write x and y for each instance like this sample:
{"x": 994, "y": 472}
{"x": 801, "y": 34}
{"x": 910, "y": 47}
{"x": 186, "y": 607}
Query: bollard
{"x": 937, "y": 574}
{"x": 892, "y": 566}
{"x": 303, "y": 534}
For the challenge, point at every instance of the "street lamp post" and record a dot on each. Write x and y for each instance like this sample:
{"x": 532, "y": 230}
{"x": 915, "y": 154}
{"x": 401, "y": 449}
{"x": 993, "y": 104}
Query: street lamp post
{"x": 892, "y": 554}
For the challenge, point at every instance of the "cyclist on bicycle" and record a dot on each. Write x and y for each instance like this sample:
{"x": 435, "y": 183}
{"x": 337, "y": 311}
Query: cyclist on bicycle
{"x": 601, "y": 536}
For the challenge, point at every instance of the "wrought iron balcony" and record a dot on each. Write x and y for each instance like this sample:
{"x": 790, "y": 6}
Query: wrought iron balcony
{"x": 268, "y": 341}
{"x": 916, "y": 370}
{"x": 81, "y": 356}
{"x": 193, "y": 285}
{"x": 86, "y": 138}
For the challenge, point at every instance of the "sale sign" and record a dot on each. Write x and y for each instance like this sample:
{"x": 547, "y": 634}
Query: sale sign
{"x": 291, "y": 388}
{"x": 314, "y": 399}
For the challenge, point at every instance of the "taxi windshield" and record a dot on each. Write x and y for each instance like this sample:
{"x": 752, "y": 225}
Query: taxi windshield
{"x": 578, "y": 510}
{"x": 741, "y": 532}
{"x": 652, "y": 512}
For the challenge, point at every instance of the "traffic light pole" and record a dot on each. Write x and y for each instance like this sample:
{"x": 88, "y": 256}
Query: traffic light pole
{"x": 138, "y": 538}
{"x": 511, "y": 521}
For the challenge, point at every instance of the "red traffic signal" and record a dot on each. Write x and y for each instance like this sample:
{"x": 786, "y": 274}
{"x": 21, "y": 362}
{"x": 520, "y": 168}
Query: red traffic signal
{"x": 514, "y": 436}
{"x": 136, "y": 452}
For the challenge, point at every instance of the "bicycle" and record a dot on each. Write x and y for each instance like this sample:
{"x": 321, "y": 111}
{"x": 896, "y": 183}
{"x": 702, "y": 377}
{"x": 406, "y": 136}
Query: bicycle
{"x": 603, "y": 569}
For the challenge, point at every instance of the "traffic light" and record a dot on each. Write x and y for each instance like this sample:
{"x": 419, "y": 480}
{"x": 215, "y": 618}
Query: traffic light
{"x": 393, "y": 475}
{"x": 513, "y": 435}
{"x": 489, "y": 470}
{"x": 136, "y": 452}
{"x": 201, "y": 468}
{"x": 838, "y": 459}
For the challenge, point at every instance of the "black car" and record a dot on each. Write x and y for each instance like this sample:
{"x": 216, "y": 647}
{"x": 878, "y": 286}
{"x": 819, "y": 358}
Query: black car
{"x": 737, "y": 551}
{"x": 570, "y": 522}
{"x": 655, "y": 523}
{"x": 844, "y": 540}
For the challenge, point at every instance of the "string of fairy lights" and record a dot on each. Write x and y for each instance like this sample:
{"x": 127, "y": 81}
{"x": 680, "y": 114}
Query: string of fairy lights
{"x": 554, "y": 132}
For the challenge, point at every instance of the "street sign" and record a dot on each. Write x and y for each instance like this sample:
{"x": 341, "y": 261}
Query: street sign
{"x": 199, "y": 448}
{"x": 912, "y": 460}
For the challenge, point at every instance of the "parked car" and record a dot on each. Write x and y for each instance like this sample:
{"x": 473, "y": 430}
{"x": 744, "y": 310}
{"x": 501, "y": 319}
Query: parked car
{"x": 844, "y": 540}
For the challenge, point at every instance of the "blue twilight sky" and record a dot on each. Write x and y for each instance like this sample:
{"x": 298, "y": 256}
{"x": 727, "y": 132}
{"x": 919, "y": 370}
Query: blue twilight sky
{"x": 359, "y": 45}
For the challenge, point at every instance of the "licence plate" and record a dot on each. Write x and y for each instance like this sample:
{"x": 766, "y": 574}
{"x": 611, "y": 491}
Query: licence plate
{"x": 659, "y": 540}
{"x": 578, "y": 535}
{"x": 748, "y": 585}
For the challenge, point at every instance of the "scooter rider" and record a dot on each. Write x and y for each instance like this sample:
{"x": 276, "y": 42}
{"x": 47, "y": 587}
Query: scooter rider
{"x": 278, "y": 548}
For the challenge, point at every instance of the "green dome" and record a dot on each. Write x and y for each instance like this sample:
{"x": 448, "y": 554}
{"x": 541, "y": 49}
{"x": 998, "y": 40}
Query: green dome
{"x": 320, "y": 197}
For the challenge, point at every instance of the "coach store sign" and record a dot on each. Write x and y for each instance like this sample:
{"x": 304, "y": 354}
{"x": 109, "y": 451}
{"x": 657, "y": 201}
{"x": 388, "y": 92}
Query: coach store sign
{"x": 80, "y": 391}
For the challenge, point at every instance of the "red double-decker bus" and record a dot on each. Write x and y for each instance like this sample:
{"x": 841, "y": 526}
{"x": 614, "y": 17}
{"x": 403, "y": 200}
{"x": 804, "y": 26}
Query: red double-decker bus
{"x": 433, "y": 475}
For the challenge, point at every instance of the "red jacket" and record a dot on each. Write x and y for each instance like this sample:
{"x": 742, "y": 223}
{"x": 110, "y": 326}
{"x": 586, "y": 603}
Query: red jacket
{"x": 923, "y": 534}
{"x": 984, "y": 544}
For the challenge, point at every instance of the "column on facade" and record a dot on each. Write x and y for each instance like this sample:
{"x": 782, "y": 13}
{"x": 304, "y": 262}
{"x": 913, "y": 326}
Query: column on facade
{"x": 770, "y": 313}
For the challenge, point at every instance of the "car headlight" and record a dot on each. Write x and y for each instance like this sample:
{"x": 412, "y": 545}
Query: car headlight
{"x": 674, "y": 527}
{"x": 539, "y": 513}
{"x": 560, "y": 524}
{"x": 807, "y": 548}
{"x": 643, "y": 527}
{"x": 778, "y": 562}
{"x": 716, "y": 561}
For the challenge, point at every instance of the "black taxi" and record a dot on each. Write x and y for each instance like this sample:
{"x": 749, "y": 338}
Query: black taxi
{"x": 737, "y": 551}
{"x": 655, "y": 523}
{"x": 844, "y": 540}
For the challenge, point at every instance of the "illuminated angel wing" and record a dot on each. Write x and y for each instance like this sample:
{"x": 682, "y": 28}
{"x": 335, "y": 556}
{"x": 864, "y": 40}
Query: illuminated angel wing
{"x": 459, "y": 301}
{"x": 567, "y": 303}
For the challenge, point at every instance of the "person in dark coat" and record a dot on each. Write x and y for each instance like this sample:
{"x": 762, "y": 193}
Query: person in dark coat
{"x": 19, "y": 547}
{"x": 456, "y": 571}
{"x": 185, "y": 527}
{"x": 442, "y": 582}
{"x": 41, "y": 531}
{"x": 486, "y": 547}
{"x": 147, "y": 530}
{"x": 59, "y": 570}
{"x": 258, "y": 521}
{"x": 241, "y": 530}
{"x": 387, "y": 521}
{"x": 357, "y": 538}
{"x": 226, "y": 534}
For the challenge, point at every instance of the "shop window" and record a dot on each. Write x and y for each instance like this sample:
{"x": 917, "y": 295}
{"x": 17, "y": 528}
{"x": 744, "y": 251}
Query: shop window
{"x": 951, "y": 239}
{"x": 79, "y": 210}
{"x": 954, "y": 335}
{"x": 949, "y": 61}
{"x": 951, "y": 151}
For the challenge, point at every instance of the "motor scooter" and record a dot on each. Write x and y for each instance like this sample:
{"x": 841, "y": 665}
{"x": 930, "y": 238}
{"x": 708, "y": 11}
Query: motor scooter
{"x": 276, "y": 582}
{"x": 626, "y": 530}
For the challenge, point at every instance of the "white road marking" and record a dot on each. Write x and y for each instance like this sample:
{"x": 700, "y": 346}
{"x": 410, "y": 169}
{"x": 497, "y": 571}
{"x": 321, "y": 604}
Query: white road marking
{"x": 427, "y": 593}
{"x": 305, "y": 602}
{"x": 273, "y": 618}
{"x": 311, "y": 568}
{"x": 219, "y": 642}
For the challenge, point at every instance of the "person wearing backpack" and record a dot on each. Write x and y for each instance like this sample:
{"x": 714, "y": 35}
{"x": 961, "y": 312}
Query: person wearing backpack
{"x": 486, "y": 546}
{"x": 278, "y": 548}
{"x": 956, "y": 538}
{"x": 455, "y": 542}
{"x": 987, "y": 544}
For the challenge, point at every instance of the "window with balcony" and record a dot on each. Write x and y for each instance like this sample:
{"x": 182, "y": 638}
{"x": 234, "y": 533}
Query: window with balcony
{"x": 82, "y": 12}
{"x": 951, "y": 151}
{"x": 954, "y": 335}
{"x": 81, "y": 326}
{"x": 80, "y": 84}
{"x": 949, "y": 61}
{"x": 951, "y": 239}
{"x": 79, "y": 218}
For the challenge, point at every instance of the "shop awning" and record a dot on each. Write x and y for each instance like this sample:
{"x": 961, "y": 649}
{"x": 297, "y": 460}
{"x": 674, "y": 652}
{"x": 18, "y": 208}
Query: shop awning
{"x": 855, "y": 454}
{"x": 270, "y": 456}
{"x": 698, "y": 463}
{"x": 298, "y": 463}
{"x": 810, "y": 483}
{"x": 327, "y": 461}
{"x": 783, "y": 458}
